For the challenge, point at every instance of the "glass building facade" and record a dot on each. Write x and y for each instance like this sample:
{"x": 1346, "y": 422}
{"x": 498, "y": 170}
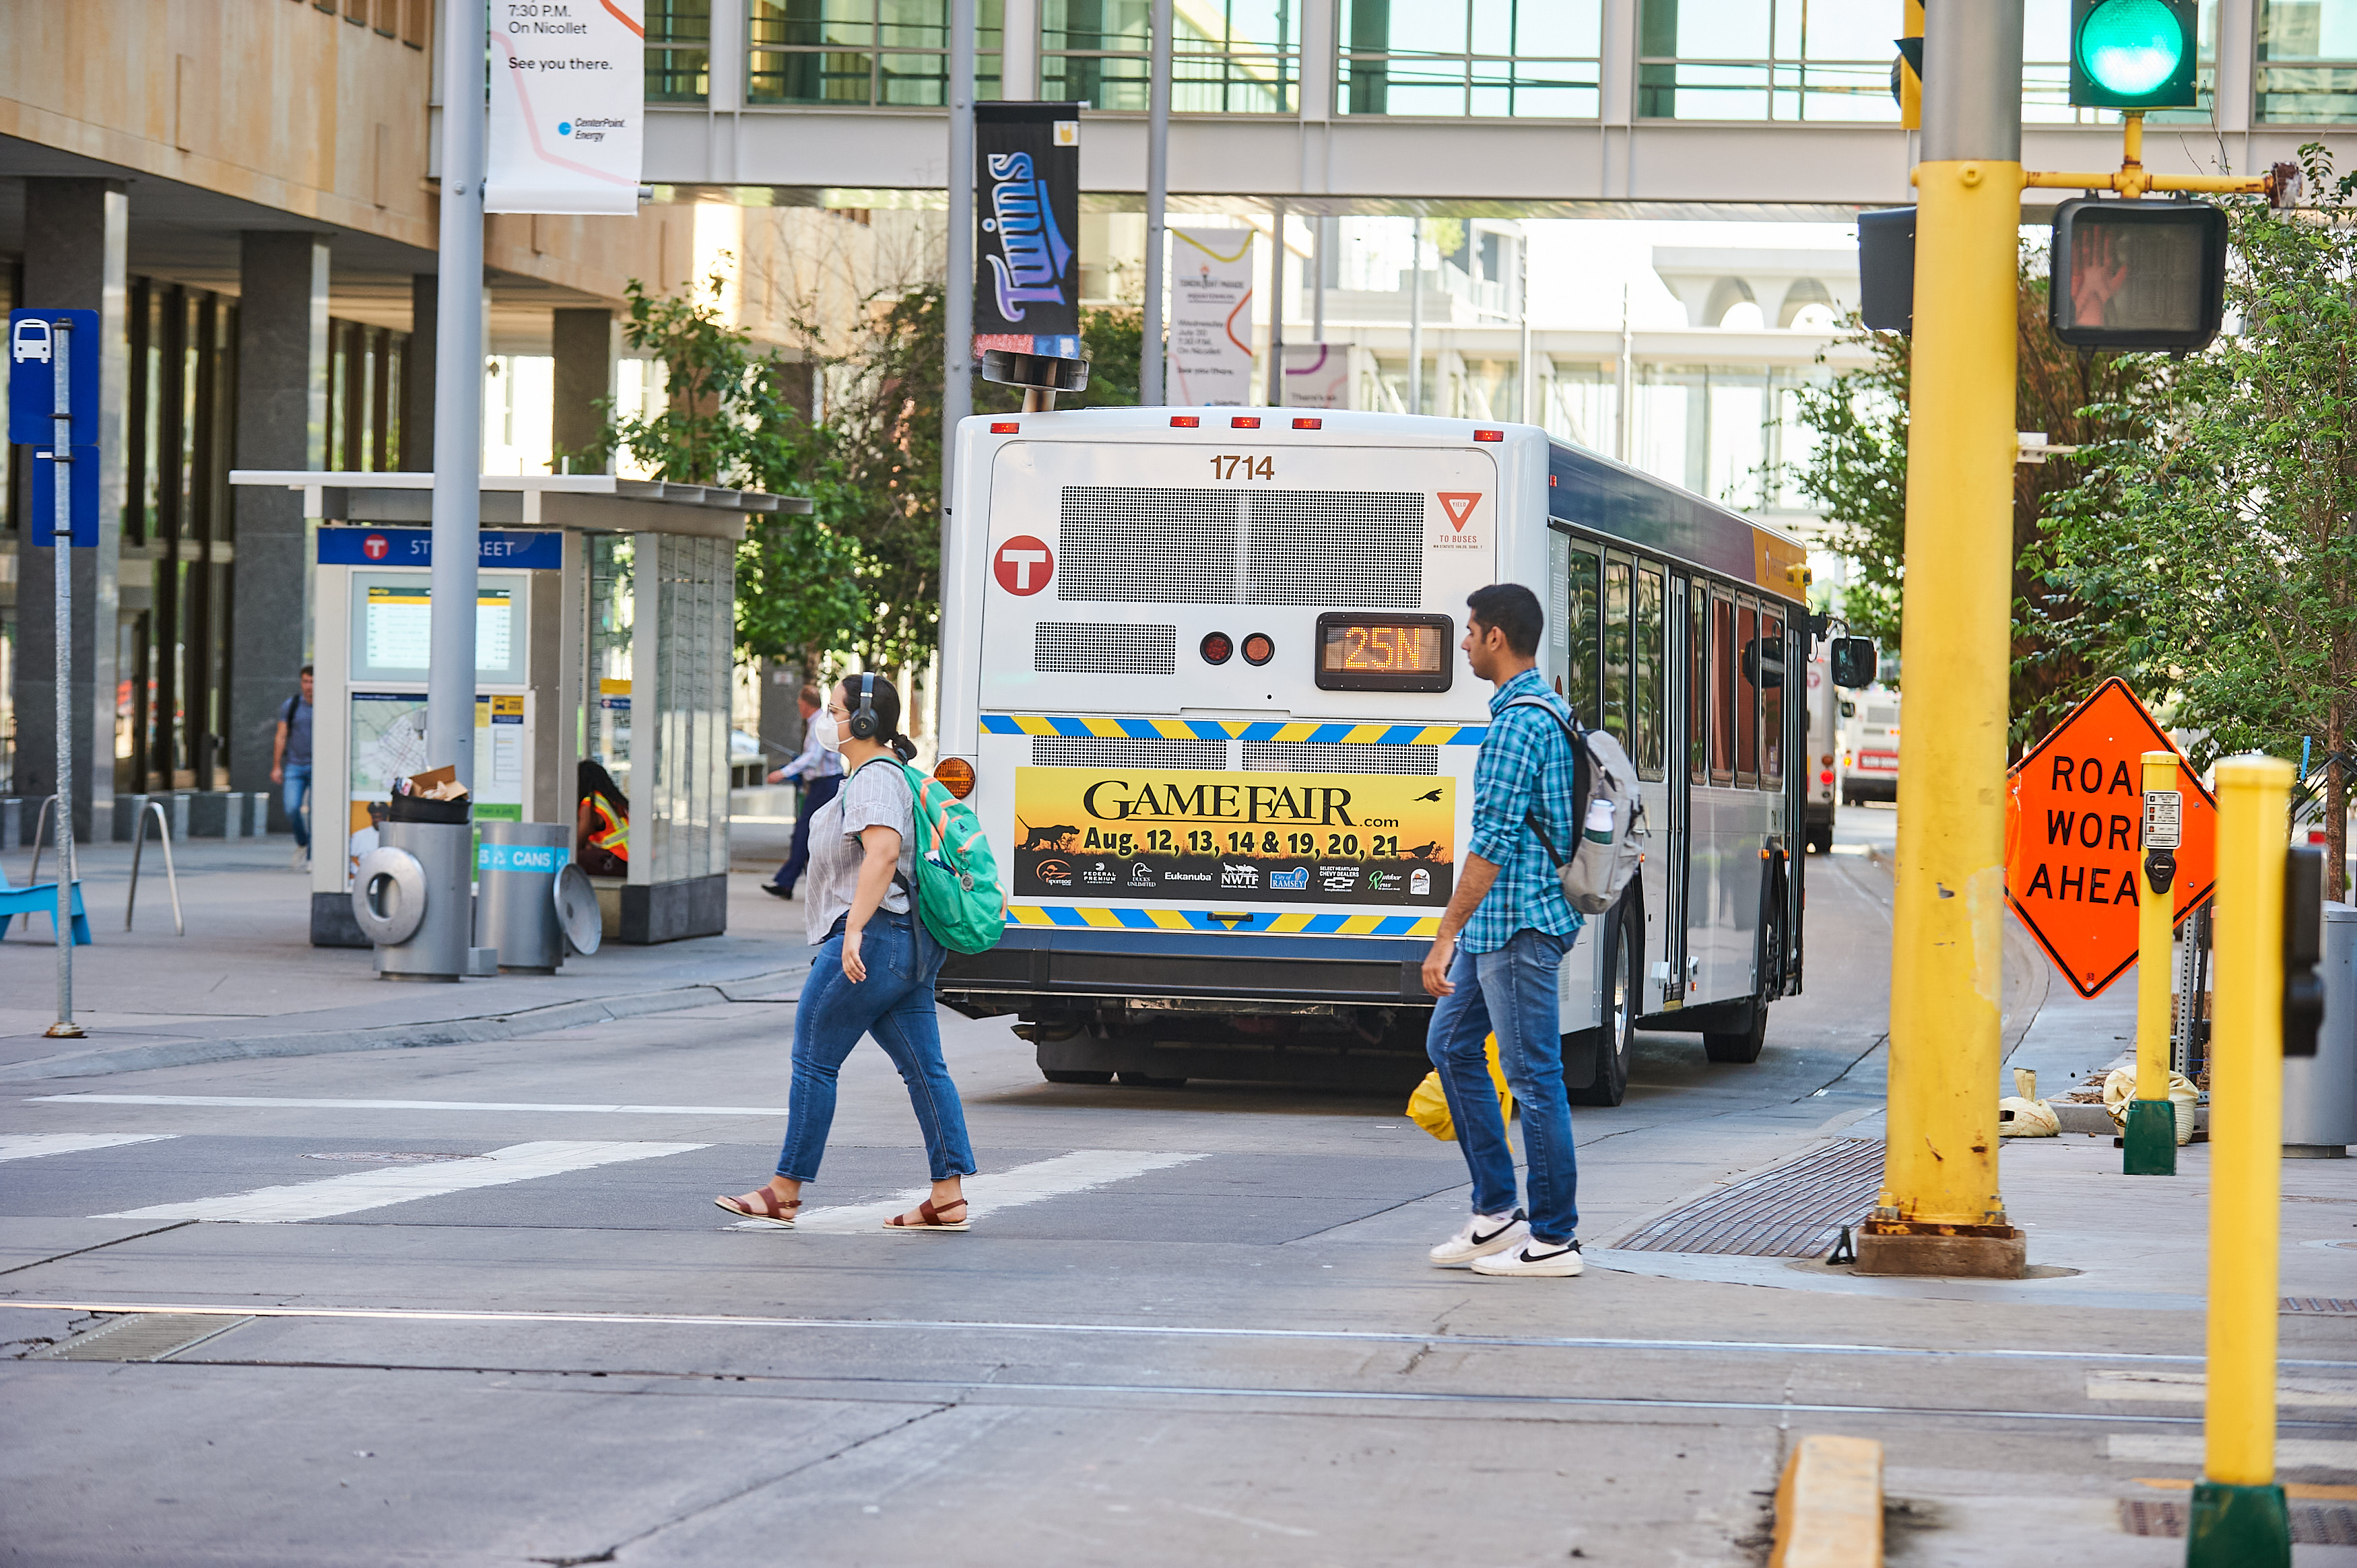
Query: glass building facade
{"x": 1524, "y": 58}
{"x": 1227, "y": 56}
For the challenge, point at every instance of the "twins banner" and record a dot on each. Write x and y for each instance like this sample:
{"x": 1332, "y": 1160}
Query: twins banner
{"x": 1027, "y": 284}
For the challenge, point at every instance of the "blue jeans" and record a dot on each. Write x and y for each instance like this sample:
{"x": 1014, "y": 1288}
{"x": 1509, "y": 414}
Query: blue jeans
{"x": 815, "y": 793}
{"x": 1511, "y": 993}
{"x": 895, "y": 1004}
{"x": 294, "y": 787}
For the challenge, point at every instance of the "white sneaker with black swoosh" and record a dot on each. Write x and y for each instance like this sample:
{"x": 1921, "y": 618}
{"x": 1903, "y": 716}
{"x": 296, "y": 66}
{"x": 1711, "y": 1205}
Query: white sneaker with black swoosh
{"x": 1483, "y": 1234}
{"x": 1539, "y": 1260}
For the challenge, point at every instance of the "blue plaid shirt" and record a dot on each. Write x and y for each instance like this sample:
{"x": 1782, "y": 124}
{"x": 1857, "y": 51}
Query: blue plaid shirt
{"x": 1525, "y": 767}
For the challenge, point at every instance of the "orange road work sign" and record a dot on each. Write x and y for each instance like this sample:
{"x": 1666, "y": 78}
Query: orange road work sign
{"x": 2074, "y": 814}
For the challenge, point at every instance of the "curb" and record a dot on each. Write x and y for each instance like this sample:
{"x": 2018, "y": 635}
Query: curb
{"x": 765, "y": 987}
{"x": 1829, "y": 1505}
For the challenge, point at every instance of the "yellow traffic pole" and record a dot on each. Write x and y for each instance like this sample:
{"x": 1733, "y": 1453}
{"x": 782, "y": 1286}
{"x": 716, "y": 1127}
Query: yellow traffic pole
{"x": 1940, "y": 1211}
{"x": 2239, "y": 1517}
{"x": 2150, "y": 1147}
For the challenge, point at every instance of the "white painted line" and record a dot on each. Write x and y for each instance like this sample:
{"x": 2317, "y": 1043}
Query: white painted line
{"x": 33, "y": 1145}
{"x": 246, "y": 1102}
{"x": 402, "y": 1184}
{"x": 1043, "y": 1179}
{"x": 2291, "y": 1452}
{"x": 2192, "y": 1388}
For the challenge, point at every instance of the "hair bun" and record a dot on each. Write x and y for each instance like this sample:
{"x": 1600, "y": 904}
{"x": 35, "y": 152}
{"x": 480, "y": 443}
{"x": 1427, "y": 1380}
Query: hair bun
{"x": 903, "y": 747}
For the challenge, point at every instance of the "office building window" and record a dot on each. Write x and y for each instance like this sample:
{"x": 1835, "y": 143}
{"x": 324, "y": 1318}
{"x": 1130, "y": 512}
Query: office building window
{"x": 1766, "y": 59}
{"x": 885, "y": 54}
{"x": 2307, "y": 63}
{"x": 1227, "y": 56}
{"x": 679, "y": 51}
{"x": 1454, "y": 58}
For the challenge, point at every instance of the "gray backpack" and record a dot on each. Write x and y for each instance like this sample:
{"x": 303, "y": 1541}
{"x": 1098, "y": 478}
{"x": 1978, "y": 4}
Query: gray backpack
{"x": 1598, "y": 869}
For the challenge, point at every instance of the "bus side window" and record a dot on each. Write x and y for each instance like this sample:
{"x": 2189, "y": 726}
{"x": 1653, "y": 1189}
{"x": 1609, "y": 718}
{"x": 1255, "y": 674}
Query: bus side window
{"x": 1771, "y": 698}
{"x": 1697, "y": 684}
{"x": 1647, "y": 754}
{"x": 1746, "y": 693}
{"x": 1583, "y": 689}
{"x": 1722, "y": 690}
{"x": 1616, "y": 654}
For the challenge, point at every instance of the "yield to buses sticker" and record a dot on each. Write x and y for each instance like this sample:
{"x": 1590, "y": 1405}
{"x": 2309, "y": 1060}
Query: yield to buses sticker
{"x": 1294, "y": 838}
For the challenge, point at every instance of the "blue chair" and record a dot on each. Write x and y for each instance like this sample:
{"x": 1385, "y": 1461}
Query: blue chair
{"x": 40, "y": 899}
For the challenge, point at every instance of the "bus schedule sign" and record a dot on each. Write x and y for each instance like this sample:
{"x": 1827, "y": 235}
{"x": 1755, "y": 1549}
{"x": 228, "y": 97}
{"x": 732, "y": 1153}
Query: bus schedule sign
{"x": 1261, "y": 838}
{"x": 2075, "y": 833}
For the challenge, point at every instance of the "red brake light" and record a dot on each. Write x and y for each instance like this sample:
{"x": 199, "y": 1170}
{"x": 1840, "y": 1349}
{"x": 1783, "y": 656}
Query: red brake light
{"x": 1004, "y": 427}
{"x": 956, "y": 775}
{"x": 1215, "y": 648}
{"x": 1309, "y": 425}
{"x": 1244, "y": 422}
{"x": 1825, "y": 778}
{"x": 1488, "y": 435}
{"x": 1184, "y": 422}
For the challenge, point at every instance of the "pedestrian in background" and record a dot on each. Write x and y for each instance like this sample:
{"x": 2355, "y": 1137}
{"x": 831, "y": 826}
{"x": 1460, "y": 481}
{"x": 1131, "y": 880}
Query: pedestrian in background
{"x": 873, "y": 970}
{"x": 818, "y": 773}
{"x": 1500, "y": 976}
{"x": 290, "y": 764}
{"x": 601, "y": 823}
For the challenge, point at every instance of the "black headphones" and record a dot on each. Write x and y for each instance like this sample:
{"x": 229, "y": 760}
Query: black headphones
{"x": 865, "y": 722}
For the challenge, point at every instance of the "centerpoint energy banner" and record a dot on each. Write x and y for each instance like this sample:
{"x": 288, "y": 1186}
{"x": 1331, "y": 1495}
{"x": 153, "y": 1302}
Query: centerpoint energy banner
{"x": 1211, "y": 317}
{"x": 1027, "y": 280}
{"x": 1267, "y": 838}
{"x": 568, "y": 98}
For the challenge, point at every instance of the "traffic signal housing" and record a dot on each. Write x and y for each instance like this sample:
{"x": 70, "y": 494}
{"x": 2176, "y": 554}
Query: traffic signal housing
{"x": 2139, "y": 275}
{"x": 2133, "y": 54}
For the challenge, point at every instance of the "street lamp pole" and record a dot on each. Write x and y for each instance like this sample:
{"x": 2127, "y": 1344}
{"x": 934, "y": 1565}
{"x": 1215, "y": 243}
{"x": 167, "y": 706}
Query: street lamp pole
{"x": 457, "y": 404}
{"x": 1158, "y": 202}
{"x": 957, "y": 286}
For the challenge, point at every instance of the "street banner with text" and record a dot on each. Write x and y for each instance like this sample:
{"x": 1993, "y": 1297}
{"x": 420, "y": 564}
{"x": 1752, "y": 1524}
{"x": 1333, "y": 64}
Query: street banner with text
{"x": 1027, "y": 275}
{"x": 568, "y": 99}
{"x": 1211, "y": 317}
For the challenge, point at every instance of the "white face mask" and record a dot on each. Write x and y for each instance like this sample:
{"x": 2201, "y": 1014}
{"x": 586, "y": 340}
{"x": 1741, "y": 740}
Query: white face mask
{"x": 822, "y": 726}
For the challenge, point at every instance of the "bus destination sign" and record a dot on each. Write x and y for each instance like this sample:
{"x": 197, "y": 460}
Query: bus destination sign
{"x": 1279, "y": 838}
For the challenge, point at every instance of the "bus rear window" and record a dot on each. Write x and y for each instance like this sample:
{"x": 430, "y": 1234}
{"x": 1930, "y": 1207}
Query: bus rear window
{"x": 1747, "y": 693}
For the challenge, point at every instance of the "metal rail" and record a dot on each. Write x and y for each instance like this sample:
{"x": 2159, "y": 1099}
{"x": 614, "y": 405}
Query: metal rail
{"x": 171, "y": 877}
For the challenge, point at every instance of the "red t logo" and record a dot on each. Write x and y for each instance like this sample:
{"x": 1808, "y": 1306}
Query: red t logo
{"x": 1023, "y": 564}
{"x": 375, "y": 547}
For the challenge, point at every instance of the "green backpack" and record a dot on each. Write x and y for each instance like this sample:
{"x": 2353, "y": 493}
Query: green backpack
{"x": 957, "y": 877}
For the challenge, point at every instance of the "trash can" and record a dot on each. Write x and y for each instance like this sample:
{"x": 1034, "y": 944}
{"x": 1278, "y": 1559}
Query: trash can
{"x": 515, "y": 900}
{"x": 2320, "y": 1118}
{"x": 420, "y": 863}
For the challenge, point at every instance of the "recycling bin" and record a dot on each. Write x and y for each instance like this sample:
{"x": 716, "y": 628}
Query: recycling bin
{"x": 516, "y": 905}
{"x": 2319, "y": 1120}
{"x": 419, "y": 864}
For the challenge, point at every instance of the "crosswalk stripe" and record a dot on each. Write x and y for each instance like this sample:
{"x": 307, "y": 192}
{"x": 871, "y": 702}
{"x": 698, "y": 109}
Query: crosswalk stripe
{"x": 402, "y": 1184}
{"x": 254, "y": 1102}
{"x": 33, "y": 1145}
{"x": 1041, "y": 1179}
{"x": 2291, "y": 1452}
{"x": 2192, "y": 1388}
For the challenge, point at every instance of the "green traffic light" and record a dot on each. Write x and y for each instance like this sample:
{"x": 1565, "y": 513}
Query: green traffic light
{"x": 2131, "y": 46}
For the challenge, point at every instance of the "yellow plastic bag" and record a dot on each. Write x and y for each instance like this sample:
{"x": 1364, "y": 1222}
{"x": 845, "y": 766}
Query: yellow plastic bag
{"x": 1428, "y": 1106}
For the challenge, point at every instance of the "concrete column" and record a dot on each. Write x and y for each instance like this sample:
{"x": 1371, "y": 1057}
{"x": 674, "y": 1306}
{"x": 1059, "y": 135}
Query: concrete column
{"x": 418, "y": 376}
{"x": 75, "y": 246}
{"x": 282, "y": 422}
{"x": 2237, "y": 47}
{"x": 584, "y": 346}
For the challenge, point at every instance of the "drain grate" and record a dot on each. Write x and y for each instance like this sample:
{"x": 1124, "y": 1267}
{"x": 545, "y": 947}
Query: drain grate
{"x": 1792, "y": 1211}
{"x": 140, "y": 1336}
{"x": 2330, "y": 1304}
{"x": 2312, "y": 1524}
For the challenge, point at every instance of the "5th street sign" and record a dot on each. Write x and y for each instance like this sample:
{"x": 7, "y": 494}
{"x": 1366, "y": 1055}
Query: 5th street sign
{"x": 2072, "y": 829}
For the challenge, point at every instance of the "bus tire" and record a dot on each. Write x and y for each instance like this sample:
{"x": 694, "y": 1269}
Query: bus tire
{"x": 1821, "y": 838}
{"x": 1146, "y": 1080}
{"x": 1613, "y": 1041}
{"x": 1743, "y": 1044}
{"x": 1073, "y": 1075}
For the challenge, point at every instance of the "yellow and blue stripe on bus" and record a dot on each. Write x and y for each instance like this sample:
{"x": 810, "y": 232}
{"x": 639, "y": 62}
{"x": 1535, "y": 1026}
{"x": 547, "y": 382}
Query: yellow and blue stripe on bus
{"x": 1233, "y": 729}
{"x": 1259, "y": 922}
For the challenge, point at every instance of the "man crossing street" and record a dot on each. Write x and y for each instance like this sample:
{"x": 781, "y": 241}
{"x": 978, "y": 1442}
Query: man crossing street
{"x": 819, "y": 771}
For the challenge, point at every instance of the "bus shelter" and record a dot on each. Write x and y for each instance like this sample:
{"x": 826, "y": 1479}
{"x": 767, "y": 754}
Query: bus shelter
{"x": 605, "y": 633}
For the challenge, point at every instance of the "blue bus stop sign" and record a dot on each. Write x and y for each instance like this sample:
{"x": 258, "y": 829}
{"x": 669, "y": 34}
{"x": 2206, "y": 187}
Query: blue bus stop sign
{"x": 33, "y": 362}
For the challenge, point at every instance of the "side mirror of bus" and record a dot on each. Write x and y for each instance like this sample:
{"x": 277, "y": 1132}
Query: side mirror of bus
{"x": 1763, "y": 664}
{"x": 1853, "y": 662}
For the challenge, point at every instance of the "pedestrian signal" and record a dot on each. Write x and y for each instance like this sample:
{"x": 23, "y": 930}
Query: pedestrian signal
{"x": 2137, "y": 275}
{"x": 2133, "y": 54}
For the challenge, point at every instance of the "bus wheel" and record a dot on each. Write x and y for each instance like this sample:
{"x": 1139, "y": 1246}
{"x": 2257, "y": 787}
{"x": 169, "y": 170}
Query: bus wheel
{"x": 1742, "y": 1045}
{"x": 1613, "y": 1039}
{"x": 1146, "y": 1080}
{"x": 1073, "y": 1075}
{"x": 1820, "y": 839}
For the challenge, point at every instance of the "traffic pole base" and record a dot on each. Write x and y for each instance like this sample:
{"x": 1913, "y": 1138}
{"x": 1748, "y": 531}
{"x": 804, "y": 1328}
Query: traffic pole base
{"x": 2151, "y": 1143}
{"x": 1948, "y": 1252}
{"x": 2238, "y": 1527}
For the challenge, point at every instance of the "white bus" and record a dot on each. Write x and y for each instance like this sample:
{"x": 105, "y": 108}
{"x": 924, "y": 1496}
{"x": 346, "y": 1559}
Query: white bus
{"x": 1871, "y": 751}
{"x": 1202, "y": 667}
{"x": 1822, "y": 757}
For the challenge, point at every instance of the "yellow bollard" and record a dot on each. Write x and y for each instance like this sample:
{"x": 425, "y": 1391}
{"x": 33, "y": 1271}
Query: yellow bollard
{"x": 2239, "y": 1516}
{"x": 2149, "y": 1147}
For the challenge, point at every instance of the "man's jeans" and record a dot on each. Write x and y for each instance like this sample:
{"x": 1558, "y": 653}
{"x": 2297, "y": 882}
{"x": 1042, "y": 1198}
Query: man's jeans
{"x": 294, "y": 788}
{"x": 1512, "y": 994}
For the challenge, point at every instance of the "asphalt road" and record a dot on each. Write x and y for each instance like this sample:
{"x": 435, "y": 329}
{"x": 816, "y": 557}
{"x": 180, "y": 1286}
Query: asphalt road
{"x": 472, "y": 1305}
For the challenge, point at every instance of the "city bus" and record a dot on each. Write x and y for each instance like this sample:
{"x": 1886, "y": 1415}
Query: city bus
{"x": 1871, "y": 754}
{"x": 1822, "y": 757}
{"x": 1200, "y": 676}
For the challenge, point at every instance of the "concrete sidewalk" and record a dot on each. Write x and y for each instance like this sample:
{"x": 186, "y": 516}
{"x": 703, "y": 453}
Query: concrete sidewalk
{"x": 246, "y": 982}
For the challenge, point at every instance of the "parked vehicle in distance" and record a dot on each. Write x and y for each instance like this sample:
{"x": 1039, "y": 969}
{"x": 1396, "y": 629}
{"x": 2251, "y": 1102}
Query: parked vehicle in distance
{"x": 1871, "y": 751}
{"x": 1822, "y": 762}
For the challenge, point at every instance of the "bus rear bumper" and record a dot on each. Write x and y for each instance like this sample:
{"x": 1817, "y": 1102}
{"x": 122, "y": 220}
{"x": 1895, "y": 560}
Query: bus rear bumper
{"x": 1035, "y": 967}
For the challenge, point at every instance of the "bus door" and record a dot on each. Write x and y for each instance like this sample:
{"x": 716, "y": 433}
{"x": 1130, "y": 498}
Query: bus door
{"x": 1635, "y": 709}
{"x": 1574, "y": 667}
{"x": 1716, "y": 967}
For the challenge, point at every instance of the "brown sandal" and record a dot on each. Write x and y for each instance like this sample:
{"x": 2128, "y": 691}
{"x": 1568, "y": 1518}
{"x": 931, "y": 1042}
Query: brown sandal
{"x": 767, "y": 1208}
{"x": 932, "y": 1218}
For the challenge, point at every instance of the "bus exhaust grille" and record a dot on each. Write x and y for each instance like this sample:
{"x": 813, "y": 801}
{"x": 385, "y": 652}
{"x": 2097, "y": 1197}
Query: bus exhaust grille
{"x": 1123, "y": 546}
{"x": 1098, "y": 648}
{"x": 1113, "y": 751}
{"x": 1335, "y": 549}
{"x": 1326, "y": 757}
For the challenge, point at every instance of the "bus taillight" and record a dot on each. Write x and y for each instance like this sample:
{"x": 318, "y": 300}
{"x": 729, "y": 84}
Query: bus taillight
{"x": 1244, "y": 422}
{"x": 956, "y": 775}
{"x": 1258, "y": 649}
{"x": 1488, "y": 435}
{"x": 1309, "y": 425}
{"x": 1184, "y": 421}
{"x": 1216, "y": 648}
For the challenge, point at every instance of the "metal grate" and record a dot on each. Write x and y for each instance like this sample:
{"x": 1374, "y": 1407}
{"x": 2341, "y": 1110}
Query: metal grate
{"x": 2326, "y": 1304}
{"x": 140, "y": 1336}
{"x": 1110, "y": 751}
{"x": 1792, "y": 1211}
{"x": 1123, "y": 545}
{"x": 1340, "y": 549}
{"x": 1330, "y": 756}
{"x": 2312, "y": 1524}
{"x": 1104, "y": 648}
